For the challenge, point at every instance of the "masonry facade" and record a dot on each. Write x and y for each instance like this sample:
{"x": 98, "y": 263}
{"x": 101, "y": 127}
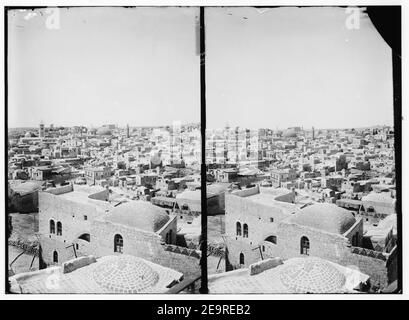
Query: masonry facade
{"x": 257, "y": 231}
{"x": 70, "y": 227}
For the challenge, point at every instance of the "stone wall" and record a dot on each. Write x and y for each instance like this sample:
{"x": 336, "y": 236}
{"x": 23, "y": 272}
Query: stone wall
{"x": 135, "y": 242}
{"x": 169, "y": 228}
{"x": 61, "y": 189}
{"x": 332, "y": 247}
{"x": 385, "y": 208}
{"x": 356, "y": 229}
{"x": 256, "y": 215}
{"x": 72, "y": 217}
{"x": 375, "y": 268}
{"x": 76, "y": 217}
{"x": 50, "y": 244}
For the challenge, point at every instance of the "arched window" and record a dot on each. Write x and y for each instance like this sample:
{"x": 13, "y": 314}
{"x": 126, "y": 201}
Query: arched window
{"x": 59, "y": 228}
{"x": 238, "y": 229}
{"x": 52, "y": 226}
{"x": 118, "y": 243}
{"x": 85, "y": 237}
{"x": 241, "y": 258}
{"x": 305, "y": 246}
{"x": 55, "y": 256}
{"x": 245, "y": 230}
{"x": 272, "y": 239}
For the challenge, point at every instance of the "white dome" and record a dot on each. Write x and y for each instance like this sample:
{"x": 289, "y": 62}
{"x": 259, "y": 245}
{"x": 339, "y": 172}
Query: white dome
{"x": 125, "y": 274}
{"x": 104, "y": 131}
{"x": 312, "y": 275}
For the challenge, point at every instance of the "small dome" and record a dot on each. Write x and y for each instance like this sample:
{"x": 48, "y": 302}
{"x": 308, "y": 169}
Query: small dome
{"x": 156, "y": 157}
{"x": 312, "y": 275}
{"x": 28, "y": 135}
{"x": 325, "y": 216}
{"x": 104, "y": 131}
{"x": 289, "y": 133}
{"x": 125, "y": 274}
{"x": 138, "y": 214}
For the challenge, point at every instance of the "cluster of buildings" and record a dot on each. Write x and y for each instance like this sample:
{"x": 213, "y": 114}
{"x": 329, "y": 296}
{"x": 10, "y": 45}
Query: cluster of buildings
{"x": 319, "y": 205}
{"x": 327, "y": 194}
{"x": 110, "y": 192}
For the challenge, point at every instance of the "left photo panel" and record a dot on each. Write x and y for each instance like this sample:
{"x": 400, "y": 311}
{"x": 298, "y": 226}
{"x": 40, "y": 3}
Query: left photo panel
{"x": 104, "y": 150}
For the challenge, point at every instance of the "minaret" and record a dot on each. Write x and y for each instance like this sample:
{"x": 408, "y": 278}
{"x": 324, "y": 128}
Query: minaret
{"x": 313, "y": 133}
{"x": 237, "y": 144}
{"x": 41, "y": 130}
{"x": 127, "y": 130}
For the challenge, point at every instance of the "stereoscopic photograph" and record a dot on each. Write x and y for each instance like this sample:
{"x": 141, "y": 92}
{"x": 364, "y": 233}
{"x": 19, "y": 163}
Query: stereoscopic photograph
{"x": 203, "y": 150}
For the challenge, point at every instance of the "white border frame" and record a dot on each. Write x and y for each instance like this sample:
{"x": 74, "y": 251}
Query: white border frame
{"x": 405, "y": 134}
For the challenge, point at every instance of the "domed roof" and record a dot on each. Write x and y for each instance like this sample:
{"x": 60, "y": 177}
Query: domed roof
{"x": 28, "y": 134}
{"x": 138, "y": 214}
{"x": 325, "y": 216}
{"x": 125, "y": 274}
{"x": 104, "y": 131}
{"x": 155, "y": 157}
{"x": 289, "y": 133}
{"x": 312, "y": 275}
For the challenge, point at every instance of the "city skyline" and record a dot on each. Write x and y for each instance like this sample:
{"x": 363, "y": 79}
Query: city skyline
{"x": 303, "y": 128}
{"x": 361, "y": 66}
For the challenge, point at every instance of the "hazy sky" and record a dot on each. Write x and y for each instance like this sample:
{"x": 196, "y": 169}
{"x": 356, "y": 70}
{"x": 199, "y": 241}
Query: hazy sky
{"x": 295, "y": 67}
{"x": 283, "y": 67}
{"x": 104, "y": 65}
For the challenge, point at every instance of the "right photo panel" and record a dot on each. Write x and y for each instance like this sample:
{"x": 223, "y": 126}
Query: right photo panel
{"x": 300, "y": 152}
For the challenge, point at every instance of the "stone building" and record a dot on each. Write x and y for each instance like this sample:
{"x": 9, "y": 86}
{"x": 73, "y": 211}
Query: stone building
{"x": 147, "y": 179}
{"x": 260, "y": 226}
{"x": 93, "y": 174}
{"x": 279, "y": 176}
{"x": 379, "y": 205}
{"x": 190, "y": 202}
{"x": 81, "y": 221}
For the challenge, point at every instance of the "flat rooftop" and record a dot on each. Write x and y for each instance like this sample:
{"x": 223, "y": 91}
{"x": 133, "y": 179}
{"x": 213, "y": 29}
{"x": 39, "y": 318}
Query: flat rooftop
{"x": 81, "y": 194}
{"x": 269, "y": 200}
{"x": 268, "y": 197}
